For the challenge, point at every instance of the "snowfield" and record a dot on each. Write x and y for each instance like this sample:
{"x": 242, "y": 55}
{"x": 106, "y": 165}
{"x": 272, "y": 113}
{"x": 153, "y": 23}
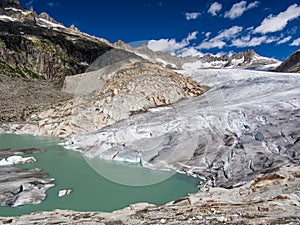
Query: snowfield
{"x": 246, "y": 124}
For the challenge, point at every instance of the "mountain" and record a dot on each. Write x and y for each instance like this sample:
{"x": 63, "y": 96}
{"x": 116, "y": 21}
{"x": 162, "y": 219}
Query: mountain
{"x": 291, "y": 64}
{"x": 249, "y": 59}
{"x": 37, "y": 46}
{"x": 115, "y": 83}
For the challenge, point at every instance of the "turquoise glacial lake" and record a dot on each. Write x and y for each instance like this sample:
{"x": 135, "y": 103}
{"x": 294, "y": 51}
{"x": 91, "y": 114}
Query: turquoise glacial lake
{"x": 91, "y": 191}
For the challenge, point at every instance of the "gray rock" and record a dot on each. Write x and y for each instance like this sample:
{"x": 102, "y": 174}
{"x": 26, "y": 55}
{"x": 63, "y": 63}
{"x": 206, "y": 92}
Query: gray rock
{"x": 291, "y": 64}
{"x": 21, "y": 186}
{"x": 262, "y": 201}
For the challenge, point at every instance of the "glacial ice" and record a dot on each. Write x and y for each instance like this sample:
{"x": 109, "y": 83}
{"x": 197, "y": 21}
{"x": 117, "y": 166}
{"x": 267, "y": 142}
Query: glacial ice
{"x": 217, "y": 135}
{"x": 12, "y": 160}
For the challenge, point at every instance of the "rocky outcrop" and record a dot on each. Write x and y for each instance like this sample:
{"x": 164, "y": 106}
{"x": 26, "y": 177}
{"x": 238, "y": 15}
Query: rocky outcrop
{"x": 6, "y": 3}
{"x": 270, "y": 199}
{"x": 291, "y": 64}
{"x": 112, "y": 57}
{"x": 37, "y": 46}
{"x": 108, "y": 95}
{"x": 20, "y": 98}
{"x": 21, "y": 186}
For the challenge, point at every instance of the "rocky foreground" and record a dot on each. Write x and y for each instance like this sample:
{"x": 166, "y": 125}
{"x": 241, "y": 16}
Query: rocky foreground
{"x": 269, "y": 199}
{"x": 21, "y": 186}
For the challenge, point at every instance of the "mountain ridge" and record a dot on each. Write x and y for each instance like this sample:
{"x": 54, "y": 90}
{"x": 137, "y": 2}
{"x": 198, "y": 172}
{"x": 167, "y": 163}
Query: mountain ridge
{"x": 291, "y": 64}
{"x": 37, "y": 46}
{"x": 248, "y": 59}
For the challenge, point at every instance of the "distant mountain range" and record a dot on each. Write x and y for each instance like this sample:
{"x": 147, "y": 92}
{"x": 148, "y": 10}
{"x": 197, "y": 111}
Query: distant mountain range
{"x": 37, "y": 46}
{"x": 249, "y": 59}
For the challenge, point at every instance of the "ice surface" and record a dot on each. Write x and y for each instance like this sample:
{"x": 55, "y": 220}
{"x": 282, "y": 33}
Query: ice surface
{"x": 246, "y": 124}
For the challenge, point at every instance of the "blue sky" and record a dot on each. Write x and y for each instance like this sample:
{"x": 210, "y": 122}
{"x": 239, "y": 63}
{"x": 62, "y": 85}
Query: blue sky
{"x": 186, "y": 27}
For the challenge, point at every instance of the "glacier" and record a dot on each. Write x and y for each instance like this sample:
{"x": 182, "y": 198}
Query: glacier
{"x": 246, "y": 124}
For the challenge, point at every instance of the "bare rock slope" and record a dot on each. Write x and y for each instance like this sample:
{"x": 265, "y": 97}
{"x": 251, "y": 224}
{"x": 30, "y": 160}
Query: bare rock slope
{"x": 109, "y": 95}
{"x": 291, "y": 64}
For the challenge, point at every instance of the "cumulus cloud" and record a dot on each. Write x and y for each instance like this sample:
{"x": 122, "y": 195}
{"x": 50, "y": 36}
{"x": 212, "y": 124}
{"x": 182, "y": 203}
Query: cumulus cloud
{"x": 191, "y": 51}
{"x": 284, "y": 40}
{"x": 207, "y": 34}
{"x": 239, "y": 8}
{"x": 165, "y": 45}
{"x": 296, "y": 42}
{"x": 171, "y": 45}
{"x": 219, "y": 41}
{"x": 248, "y": 41}
{"x": 191, "y": 36}
{"x": 277, "y": 23}
{"x": 215, "y": 8}
{"x": 192, "y": 16}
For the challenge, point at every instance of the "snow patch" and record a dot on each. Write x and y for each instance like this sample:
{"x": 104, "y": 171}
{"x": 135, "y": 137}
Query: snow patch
{"x": 142, "y": 55}
{"x": 165, "y": 63}
{"x": 17, "y": 10}
{"x": 50, "y": 23}
{"x": 204, "y": 65}
{"x": 6, "y": 18}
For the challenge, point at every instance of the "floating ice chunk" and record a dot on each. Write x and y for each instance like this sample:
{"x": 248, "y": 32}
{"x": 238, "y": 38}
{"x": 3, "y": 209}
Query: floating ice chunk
{"x": 12, "y": 160}
{"x": 64, "y": 192}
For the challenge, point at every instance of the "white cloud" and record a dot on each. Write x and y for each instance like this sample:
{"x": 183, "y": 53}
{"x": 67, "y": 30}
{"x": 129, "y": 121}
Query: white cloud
{"x": 229, "y": 33}
{"x": 219, "y": 41}
{"x": 296, "y": 42}
{"x": 284, "y": 40}
{"x": 191, "y": 36}
{"x": 215, "y": 8}
{"x": 53, "y": 4}
{"x": 248, "y": 41}
{"x": 192, "y": 16}
{"x": 213, "y": 43}
{"x": 29, "y": 4}
{"x": 239, "y": 8}
{"x": 207, "y": 34}
{"x": 165, "y": 45}
{"x": 278, "y": 22}
{"x": 191, "y": 51}
{"x": 171, "y": 45}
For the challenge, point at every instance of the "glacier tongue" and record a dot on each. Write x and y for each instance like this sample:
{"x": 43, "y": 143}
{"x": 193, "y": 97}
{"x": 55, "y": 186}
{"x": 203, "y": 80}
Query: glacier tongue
{"x": 247, "y": 124}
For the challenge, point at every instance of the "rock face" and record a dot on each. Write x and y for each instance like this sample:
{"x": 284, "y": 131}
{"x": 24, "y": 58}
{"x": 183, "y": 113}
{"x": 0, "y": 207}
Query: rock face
{"x": 37, "y": 46}
{"x": 20, "y": 186}
{"x": 291, "y": 64}
{"x": 112, "y": 57}
{"x": 270, "y": 199}
{"x": 6, "y": 3}
{"x": 20, "y": 98}
{"x": 111, "y": 94}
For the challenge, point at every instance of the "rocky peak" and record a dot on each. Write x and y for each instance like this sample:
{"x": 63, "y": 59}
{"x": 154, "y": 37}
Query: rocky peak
{"x": 6, "y": 3}
{"x": 37, "y": 46}
{"x": 291, "y": 64}
{"x": 121, "y": 44}
{"x": 73, "y": 27}
{"x": 46, "y": 16}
